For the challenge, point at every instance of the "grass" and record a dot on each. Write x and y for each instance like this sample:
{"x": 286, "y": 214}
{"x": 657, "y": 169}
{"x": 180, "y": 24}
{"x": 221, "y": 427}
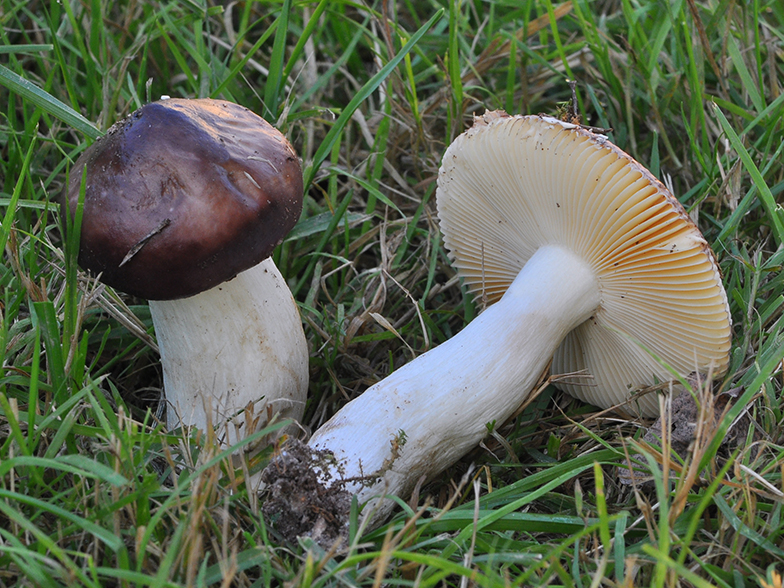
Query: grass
{"x": 94, "y": 491}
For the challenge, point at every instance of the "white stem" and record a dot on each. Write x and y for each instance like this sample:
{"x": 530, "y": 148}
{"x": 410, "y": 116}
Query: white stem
{"x": 429, "y": 413}
{"x": 237, "y": 344}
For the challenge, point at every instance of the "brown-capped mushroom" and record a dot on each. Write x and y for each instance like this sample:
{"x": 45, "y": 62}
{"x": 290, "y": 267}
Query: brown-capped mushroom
{"x": 184, "y": 202}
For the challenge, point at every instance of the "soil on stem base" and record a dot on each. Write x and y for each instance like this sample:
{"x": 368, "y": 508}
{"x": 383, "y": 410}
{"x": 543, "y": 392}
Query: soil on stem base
{"x": 300, "y": 501}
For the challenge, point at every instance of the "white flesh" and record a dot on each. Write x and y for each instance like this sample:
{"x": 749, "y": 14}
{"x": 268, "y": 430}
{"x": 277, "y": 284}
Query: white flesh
{"x": 241, "y": 342}
{"x": 443, "y": 400}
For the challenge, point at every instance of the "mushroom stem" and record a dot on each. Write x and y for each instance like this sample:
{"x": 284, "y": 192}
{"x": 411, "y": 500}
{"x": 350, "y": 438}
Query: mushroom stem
{"x": 427, "y": 414}
{"x": 240, "y": 343}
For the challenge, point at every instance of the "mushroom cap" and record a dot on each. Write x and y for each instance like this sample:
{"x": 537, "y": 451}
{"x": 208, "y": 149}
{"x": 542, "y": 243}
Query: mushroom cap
{"x": 182, "y": 195}
{"x": 511, "y": 184}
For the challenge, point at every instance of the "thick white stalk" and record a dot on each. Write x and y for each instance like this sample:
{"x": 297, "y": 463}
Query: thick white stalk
{"x": 427, "y": 414}
{"x": 241, "y": 342}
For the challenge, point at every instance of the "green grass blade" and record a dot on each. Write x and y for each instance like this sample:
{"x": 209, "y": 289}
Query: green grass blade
{"x": 25, "y": 48}
{"x": 745, "y": 76}
{"x": 453, "y": 67}
{"x": 275, "y": 79}
{"x": 48, "y": 542}
{"x": 307, "y": 32}
{"x": 682, "y": 571}
{"x": 45, "y": 318}
{"x": 370, "y": 86}
{"x": 732, "y": 518}
{"x": 774, "y": 210}
{"x": 10, "y": 212}
{"x": 557, "y": 38}
{"x": 78, "y": 465}
{"x": 514, "y": 505}
{"x": 48, "y": 103}
{"x": 242, "y": 62}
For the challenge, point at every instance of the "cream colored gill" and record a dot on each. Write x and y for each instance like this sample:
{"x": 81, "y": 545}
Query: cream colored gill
{"x": 513, "y": 184}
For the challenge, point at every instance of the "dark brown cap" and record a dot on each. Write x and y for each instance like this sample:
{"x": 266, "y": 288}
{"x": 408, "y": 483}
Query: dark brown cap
{"x": 183, "y": 195}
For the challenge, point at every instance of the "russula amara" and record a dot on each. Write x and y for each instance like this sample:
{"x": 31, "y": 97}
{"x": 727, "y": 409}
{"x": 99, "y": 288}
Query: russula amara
{"x": 582, "y": 256}
{"x": 184, "y": 202}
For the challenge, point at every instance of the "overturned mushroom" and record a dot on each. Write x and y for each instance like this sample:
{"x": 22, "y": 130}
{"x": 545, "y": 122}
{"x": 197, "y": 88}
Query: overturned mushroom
{"x": 184, "y": 202}
{"x": 584, "y": 257}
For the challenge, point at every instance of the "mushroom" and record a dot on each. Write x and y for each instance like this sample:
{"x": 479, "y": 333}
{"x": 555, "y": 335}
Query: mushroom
{"x": 184, "y": 202}
{"x": 582, "y": 256}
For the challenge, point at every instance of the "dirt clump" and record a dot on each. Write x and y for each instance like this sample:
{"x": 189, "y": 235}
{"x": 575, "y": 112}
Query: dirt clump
{"x": 300, "y": 501}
